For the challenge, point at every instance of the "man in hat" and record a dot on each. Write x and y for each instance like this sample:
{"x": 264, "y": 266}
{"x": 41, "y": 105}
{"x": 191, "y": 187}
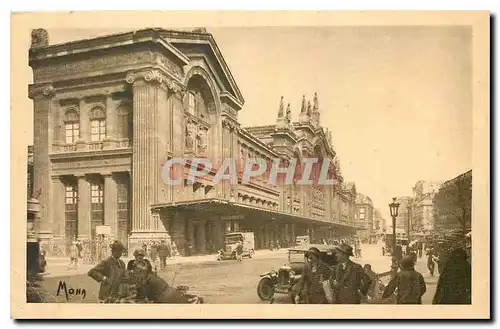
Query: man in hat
{"x": 139, "y": 254}
{"x": 310, "y": 286}
{"x": 349, "y": 281}
{"x": 410, "y": 284}
{"x": 110, "y": 272}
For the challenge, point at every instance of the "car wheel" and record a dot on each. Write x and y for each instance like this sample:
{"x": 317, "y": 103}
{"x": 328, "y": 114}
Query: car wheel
{"x": 265, "y": 289}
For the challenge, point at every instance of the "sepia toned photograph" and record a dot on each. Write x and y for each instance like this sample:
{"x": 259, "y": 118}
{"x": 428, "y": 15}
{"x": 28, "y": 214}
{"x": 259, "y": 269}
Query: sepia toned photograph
{"x": 265, "y": 159}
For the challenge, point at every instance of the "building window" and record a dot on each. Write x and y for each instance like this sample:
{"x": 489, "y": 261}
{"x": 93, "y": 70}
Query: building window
{"x": 191, "y": 103}
{"x": 124, "y": 120}
{"x": 98, "y": 130}
{"x": 71, "y": 213}
{"x": 72, "y": 126}
{"x": 97, "y": 124}
{"x": 97, "y": 207}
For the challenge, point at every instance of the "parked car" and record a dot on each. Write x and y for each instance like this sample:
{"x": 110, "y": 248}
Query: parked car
{"x": 231, "y": 241}
{"x": 284, "y": 279}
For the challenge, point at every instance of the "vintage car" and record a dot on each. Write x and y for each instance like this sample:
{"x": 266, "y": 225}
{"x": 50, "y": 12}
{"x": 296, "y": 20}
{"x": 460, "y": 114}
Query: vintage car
{"x": 282, "y": 280}
{"x": 231, "y": 241}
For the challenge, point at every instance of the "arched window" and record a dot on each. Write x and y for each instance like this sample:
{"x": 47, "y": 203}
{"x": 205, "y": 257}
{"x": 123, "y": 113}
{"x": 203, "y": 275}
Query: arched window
{"x": 97, "y": 124}
{"x": 72, "y": 126}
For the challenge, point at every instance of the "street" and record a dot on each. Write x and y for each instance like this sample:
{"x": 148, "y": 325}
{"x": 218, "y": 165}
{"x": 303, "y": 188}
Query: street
{"x": 225, "y": 282}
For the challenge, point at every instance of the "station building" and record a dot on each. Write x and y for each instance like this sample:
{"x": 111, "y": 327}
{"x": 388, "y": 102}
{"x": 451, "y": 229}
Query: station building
{"x": 110, "y": 111}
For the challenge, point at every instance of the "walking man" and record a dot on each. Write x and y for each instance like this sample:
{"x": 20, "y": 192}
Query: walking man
{"x": 239, "y": 251}
{"x": 73, "y": 257}
{"x": 163, "y": 254}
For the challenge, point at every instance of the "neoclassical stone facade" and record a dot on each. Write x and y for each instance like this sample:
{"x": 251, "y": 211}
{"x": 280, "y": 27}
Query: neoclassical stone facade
{"x": 110, "y": 111}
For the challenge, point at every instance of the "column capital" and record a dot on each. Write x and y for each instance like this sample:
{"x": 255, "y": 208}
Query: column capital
{"x": 40, "y": 90}
{"x": 106, "y": 174}
{"x": 156, "y": 76}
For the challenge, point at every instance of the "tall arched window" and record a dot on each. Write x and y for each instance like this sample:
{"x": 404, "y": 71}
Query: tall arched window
{"x": 72, "y": 126}
{"x": 97, "y": 124}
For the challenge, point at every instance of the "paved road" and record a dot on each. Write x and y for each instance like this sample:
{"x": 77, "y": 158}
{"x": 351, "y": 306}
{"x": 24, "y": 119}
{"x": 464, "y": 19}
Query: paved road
{"x": 223, "y": 282}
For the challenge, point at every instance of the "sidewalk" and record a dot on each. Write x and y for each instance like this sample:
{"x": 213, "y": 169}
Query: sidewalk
{"x": 58, "y": 266}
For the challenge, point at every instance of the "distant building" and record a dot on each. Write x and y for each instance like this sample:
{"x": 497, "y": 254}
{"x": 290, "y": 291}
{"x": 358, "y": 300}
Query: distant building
{"x": 363, "y": 215}
{"x": 423, "y": 205}
{"x": 378, "y": 221}
{"x": 404, "y": 212}
{"x": 452, "y": 205}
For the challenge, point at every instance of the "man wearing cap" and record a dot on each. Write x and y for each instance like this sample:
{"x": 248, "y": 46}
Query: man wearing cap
{"x": 310, "y": 286}
{"x": 410, "y": 284}
{"x": 110, "y": 272}
{"x": 349, "y": 281}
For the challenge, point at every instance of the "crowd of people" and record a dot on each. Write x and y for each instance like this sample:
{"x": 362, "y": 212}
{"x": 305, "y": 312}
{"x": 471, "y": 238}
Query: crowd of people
{"x": 349, "y": 283}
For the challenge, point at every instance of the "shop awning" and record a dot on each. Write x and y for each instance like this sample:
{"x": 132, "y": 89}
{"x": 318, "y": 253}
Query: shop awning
{"x": 221, "y": 207}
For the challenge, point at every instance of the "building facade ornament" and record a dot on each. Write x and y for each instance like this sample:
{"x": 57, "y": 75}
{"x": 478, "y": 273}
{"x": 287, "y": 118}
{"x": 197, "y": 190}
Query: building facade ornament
{"x": 303, "y": 108}
{"x": 39, "y": 38}
{"x": 288, "y": 113}
{"x": 156, "y": 76}
{"x": 46, "y": 90}
{"x": 281, "y": 108}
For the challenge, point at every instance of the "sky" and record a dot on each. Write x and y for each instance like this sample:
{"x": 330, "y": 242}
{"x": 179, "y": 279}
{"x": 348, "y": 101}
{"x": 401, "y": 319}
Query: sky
{"x": 397, "y": 100}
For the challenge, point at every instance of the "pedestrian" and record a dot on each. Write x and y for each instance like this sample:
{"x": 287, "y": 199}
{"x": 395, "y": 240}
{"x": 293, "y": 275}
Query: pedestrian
{"x": 430, "y": 262}
{"x": 373, "y": 279}
{"x": 349, "y": 281}
{"x": 163, "y": 254}
{"x": 175, "y": 252}
{"x": 110, "y": 272}
{"x": 73, "y": 256}
{"x": 239, "y": 251}
{"x": 420, "y": 249}
{"x": 80, "y": 248}
{"x": 383, "y": 251}
{"x": 310, "y": 286}
{"x": 408, "y": 283}
{"x": 139, "y": 254}
{"x": 454, "y": 284}
{"x": 397, "y": 253}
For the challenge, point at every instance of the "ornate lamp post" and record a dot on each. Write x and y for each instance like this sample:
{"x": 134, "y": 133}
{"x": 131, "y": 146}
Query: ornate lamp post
{"x": 394, "y": 213}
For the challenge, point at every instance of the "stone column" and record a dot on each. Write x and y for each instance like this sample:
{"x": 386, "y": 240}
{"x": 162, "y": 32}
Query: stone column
{"x": 42, "y": 139}
{"x": 150, "y": 89}
{"x": 110, "y": 203}
{"x": 189, "y": 236}
{"x": 58, "y": 211}
{"x": 202, "y": 237}
{"x": 84, "y": 126}
{"x": 83, "y": 208}
{"x": 111, "y": 122}
{"x": 144, "y": 170}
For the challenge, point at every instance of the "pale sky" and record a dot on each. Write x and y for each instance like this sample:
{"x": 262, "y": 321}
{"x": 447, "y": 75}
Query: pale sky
{"x": 398, "y": 100}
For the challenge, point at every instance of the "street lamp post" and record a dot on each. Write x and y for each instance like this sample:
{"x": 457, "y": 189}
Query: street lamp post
{"x": 394, "y": 213}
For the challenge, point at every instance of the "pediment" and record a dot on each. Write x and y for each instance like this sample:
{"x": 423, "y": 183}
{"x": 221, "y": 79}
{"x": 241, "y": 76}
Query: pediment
{"x": 196, "y": 45}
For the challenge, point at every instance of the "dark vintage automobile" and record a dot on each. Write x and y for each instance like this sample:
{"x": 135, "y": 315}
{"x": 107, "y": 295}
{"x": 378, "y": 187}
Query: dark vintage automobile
{"x": 283, "y": 280}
